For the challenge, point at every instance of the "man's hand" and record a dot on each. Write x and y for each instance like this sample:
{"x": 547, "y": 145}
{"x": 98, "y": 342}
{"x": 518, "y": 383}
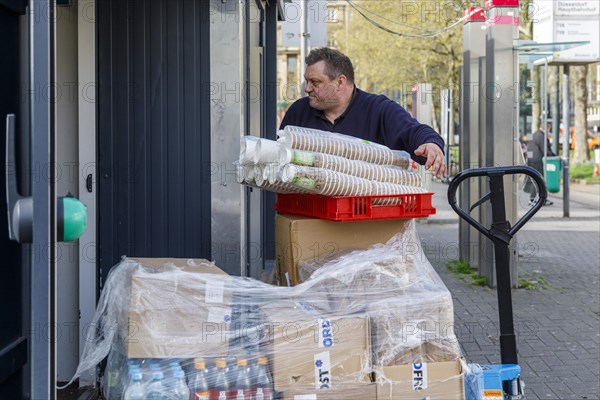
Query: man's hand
{"x": 436, "y": 162}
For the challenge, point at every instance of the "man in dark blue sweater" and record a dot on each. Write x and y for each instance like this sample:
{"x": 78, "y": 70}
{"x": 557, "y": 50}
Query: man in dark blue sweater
{"x": 335, "y": 104}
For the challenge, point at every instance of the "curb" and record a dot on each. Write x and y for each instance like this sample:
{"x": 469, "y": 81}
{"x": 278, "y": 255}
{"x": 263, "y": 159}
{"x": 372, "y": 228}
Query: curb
{"x": 584, "y": 182}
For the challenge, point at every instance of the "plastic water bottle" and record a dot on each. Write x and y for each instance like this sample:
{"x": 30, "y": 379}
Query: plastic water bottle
{"x": 135, "y": 389}
{"x": 220, "y": 388}
{"x": 169, "y": 376}
{"x": 156, "y": 390}
{"x": 263, "y": 385}
{"x": 114, "y": 375}
{"x": 232, "y": 371}
{"x": 180, "y": 389}
{"x": 131, "y": 369}
{"x": 211, "y": 373}
{"x": 199, "y": 383}
{"x": 243, "y": 385}
{"x": 169, "y": 371}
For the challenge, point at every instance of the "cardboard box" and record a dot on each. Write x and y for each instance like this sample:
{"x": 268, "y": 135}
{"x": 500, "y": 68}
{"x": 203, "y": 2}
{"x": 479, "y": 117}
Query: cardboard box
{"x": 316, "y": 353}
{"x": 178, "y": 308}
{"x": 433, "y": 381}
{"x": 359, "y": 392}
{"x": 419, "y": 328}
{"x": 301, "y": 238}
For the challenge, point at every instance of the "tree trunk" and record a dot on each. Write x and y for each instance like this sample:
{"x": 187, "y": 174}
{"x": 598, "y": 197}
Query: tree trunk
{"x": 581, "y": 153}
{"x": 535, "y": 105}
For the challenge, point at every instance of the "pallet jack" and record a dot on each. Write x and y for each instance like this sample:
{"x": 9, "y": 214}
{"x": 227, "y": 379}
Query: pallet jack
{"x": 500, "y": 381}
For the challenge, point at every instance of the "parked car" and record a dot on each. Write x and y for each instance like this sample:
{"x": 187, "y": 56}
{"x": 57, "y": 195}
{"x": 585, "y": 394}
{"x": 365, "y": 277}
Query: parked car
{"x": 593, "y": 140}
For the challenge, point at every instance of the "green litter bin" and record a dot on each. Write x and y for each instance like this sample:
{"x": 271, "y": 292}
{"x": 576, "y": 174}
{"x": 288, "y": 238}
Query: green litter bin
{"x": 553, "y": 167}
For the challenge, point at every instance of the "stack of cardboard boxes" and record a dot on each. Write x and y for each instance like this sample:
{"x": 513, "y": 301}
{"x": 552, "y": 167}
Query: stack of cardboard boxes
{"x": 414, "y": 352}
{"x": 174, "y": 305}
{"x": 366, "y": 325}
{"x": 302, "y": 238}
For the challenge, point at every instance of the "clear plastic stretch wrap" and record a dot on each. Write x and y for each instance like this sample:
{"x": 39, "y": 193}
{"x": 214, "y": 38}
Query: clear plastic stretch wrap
{"x": 367, "y": 324}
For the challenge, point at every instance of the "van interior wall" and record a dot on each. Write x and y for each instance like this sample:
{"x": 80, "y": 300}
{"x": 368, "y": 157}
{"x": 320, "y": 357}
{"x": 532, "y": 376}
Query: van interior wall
{"x": 67, "y": 173}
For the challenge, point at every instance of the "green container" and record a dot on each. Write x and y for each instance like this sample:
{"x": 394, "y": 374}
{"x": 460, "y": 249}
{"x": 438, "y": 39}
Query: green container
{"x": 553, "y": 167}
{"x": 74, "y": 219}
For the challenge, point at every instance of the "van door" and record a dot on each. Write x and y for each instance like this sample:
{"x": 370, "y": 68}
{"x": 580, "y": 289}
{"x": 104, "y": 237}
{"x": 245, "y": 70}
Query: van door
{"x": 14, "y": 292}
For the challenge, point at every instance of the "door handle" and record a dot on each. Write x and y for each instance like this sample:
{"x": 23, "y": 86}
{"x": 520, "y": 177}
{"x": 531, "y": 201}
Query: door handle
{"x": 71, "y": 213}
{"x": 20, "y": 208}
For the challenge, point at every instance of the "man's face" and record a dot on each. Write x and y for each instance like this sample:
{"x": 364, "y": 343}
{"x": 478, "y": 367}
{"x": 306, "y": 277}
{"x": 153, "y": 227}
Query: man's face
{"x": 323, "y": 93}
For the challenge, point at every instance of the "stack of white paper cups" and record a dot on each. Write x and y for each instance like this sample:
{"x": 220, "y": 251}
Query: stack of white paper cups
{"x": 361, "y": 169}
{"x": 383, "y": 188}
{"x": 302, "y": 139}
{"x": 264, "y": 181}
{"x": 325, "y": 182}
{"x": 331, "y": 164}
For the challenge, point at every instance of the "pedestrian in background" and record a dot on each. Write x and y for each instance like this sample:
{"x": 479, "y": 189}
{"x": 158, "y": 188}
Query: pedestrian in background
{"x": 535, "y": 159}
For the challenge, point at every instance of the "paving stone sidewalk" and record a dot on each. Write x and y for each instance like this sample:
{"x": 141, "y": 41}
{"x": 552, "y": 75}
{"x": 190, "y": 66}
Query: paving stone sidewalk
{"x": 557, "y": 323}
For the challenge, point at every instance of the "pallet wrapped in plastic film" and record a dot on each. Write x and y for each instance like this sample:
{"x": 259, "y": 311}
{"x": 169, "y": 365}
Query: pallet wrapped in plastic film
{"x": 367, "y": 324}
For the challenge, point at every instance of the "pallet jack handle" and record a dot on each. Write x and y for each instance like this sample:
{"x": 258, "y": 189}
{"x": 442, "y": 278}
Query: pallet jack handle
{"x": 500, "y": 233}
{"x": 495, "y": 174}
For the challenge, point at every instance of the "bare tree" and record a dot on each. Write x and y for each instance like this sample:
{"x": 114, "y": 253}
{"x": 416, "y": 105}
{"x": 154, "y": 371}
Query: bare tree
{"x": 536, "y": 103}
{"x": 579, "y": 74}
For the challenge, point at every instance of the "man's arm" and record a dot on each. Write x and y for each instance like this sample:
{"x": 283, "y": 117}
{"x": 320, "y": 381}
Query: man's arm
{"x": 406, "y": 133}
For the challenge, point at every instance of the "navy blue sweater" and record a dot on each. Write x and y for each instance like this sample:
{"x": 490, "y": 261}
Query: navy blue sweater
{"x": 369, "y": 116}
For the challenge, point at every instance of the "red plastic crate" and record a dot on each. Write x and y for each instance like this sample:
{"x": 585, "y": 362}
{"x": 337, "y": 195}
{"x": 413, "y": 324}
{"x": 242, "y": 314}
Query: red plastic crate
{"x": 355, "y": 208}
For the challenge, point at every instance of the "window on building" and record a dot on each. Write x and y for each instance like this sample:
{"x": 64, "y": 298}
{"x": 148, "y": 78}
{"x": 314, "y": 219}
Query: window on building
{"x": 332, "y": 14}
{"x": 292, "y": 68}
{"x": 293, "y": 81}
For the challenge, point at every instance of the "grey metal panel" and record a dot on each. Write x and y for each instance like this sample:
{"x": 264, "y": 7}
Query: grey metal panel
{"x": 14, "y": 283}
{"x": 43, "y": 265}
{"x": 67, "y": 182}
{"x": 485, "y": 245}
{"x": 474, "y": 40}
{"x": 257, "y": 197}
{"x": 153, "y": 130}
{"x": 501, "y": 116}
{"x": 270, "y": 121}
{"x": 229, "y": 121}
{"x": 253, "y": 125}
{"x": 465, "y": 137}
{"x": 88, "y": 274}
{"x": 16, "y": 6}
{"x": 487, "y": 264}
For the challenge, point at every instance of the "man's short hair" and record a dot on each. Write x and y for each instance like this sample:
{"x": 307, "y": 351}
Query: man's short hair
{"x": 336, "y": 63}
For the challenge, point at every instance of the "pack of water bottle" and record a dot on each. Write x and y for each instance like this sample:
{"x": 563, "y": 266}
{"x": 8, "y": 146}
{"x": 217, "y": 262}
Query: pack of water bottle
{"x": 242, "y": 377}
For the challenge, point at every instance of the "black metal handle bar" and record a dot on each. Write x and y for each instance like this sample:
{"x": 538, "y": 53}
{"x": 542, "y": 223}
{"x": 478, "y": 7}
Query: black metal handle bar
{"x": 501, "y": 234}
{"x": 497, "y": 172}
